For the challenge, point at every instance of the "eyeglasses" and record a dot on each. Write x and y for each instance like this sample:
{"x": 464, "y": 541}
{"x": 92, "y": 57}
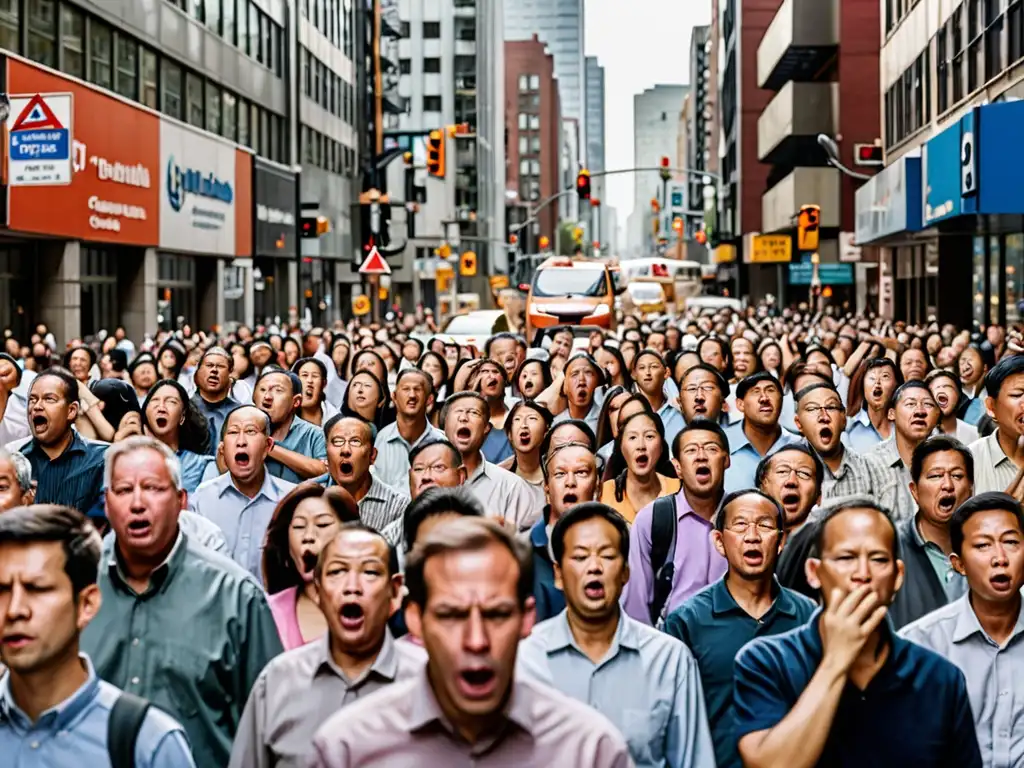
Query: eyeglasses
{"x": 435, "y": 469}
{"x": 704, "y": 389}
{"x": 831, "y": 410}
{"x": 711, "y": 449}
{"x": 783, "y": 472}
{"x": 352, "y": 442}
{"x": 249, "y": 432}
{"x": 767, "y": 527}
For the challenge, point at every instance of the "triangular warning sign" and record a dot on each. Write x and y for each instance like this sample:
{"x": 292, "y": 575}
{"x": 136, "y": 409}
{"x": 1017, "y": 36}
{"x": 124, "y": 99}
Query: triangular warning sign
{"x": 374, "y": 264}
{"x": 36, "y": 114}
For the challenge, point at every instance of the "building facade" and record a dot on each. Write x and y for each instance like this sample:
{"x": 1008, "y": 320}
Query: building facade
{"x": 947, "y": 204}
{"x": 594, "y": 124}
{"x": 700, "y": 138}
{"x": 559, "y": 25}
{"x": 818, "y": 61}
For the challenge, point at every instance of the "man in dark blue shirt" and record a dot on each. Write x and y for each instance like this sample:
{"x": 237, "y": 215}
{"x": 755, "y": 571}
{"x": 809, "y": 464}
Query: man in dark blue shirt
{"x": 68, "y": 470}
{"x": 747, "y": 602}
{"x": 844, "y": 690}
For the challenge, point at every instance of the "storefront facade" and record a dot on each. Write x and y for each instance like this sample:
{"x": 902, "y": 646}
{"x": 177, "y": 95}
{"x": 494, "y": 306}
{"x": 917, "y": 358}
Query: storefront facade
{"x": 275, "y": 242}
{"x": 136, "y": 220}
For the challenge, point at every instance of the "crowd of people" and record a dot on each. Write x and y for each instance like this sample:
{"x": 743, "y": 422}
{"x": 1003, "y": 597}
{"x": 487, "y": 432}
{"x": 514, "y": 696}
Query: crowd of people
{"x": 766, "y": 538}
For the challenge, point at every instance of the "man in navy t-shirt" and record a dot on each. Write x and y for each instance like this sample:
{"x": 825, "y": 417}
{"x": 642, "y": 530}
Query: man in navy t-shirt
{"x": 844, "y": 690}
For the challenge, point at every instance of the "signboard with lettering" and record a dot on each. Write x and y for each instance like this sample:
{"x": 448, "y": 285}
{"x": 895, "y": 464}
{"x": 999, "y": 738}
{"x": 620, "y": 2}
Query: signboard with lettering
{"x": 829, "y": 274}
{"x": 275, "y": 193}
{"x": 106, "y": 190}
{"x": 771, "y": 249}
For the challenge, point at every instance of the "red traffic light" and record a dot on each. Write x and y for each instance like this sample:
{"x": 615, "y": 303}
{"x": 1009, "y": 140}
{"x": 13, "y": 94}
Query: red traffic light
{"x": 665, "y": 162}
{"x": 868, "y": 155}
{"x": 583, "y": 185}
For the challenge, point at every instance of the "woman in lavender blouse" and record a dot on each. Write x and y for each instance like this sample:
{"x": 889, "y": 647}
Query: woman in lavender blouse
{"x": 304, "y": 521}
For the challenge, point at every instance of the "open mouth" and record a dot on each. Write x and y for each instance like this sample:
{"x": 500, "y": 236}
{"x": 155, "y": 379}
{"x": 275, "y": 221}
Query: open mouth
{"x": 1001, "y": 582}
{"x": 790, "y": 500}
{"x": 242, "y": 459}
{"x": 920, "y": 422}
{"x": 266, "y": 405}
{"x": 942, "y": 400}
{"x": 463, "y": 433}
{"x": 700, "y": 408}
{"x": 703, "y": 473}
{"x": 213, "y": 381}
{"x": 138, "y": 528}
{"x": 642, "y": 461}
{"x": 161, "y": 422}
{"x": 569, "y": 499}
{"x": 352, "y": 616}
{"x": 826, "y": 435}
{"x": 477, "y": 683}
{"x": 594, "y": 590}
{"x": 309, "y": 391}
{"x": 39, "y": 422}
{"x": 345, "y": 467}
{"x": 947, "y": 503}
{"x": 524, "y": 438}
{"x": 753, "y": 557}
{"x": 308, "y": 561}
{"x": 876, "y": 393}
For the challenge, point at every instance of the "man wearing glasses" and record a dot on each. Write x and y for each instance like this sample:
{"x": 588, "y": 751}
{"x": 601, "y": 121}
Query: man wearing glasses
{"x": 747, "y": 602}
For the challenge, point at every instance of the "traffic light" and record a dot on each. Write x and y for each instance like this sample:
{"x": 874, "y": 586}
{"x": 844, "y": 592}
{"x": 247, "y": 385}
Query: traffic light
{"x": 467, "y": 264}
{"x": 666, "y": 169}
{"x": 677, "y": 225}
{"x": 655, "y": 205}
{"x": 807, "y": 227}
{"x": 545, "y": 241}
{"x": 583, "y": 184}
{"x": 868, "y": 155}
{"x": 701, "y": 237}
{"x": 435, "y": 154}
{"x": 314, "y": 226}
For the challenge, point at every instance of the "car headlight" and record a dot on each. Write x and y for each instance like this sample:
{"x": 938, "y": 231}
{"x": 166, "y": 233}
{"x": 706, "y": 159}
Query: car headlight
{"x": 600, "y": 310}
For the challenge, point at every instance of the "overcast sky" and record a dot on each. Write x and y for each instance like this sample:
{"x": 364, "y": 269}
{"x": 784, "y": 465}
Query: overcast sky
{"x": 639, "y": 43}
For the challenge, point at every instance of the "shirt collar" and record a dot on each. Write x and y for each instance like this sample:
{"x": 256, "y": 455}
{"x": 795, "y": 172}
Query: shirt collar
{"x": 481, "y": 470}
{"x": 967, "y": 623}
{"x": 56, "y": 718}
{"x": 890, "y": 453}
{"x": 267, "y": 490}
{"x": 722, "y": 601}
{"x": 539, "y": 532}
{"x": 424, "y": 709}
{"x": 863, "y": 419}
{"x": 160, "y": 576}
{"x": 376, "y": 491}
{"x": 393, "y": 435}
{"x": 998, "y": 454}
{"x": 76, "y": 446}
{"x": 384, "y": 666}
{"x": 560, "y": 637}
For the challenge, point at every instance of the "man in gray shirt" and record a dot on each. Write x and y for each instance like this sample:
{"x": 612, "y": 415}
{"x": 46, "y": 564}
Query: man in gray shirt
{"x": 983, "y": 631}
{"x": 360, "y": 588}
{"x": 644, "y": 681}
{"x": 469, "y": 600}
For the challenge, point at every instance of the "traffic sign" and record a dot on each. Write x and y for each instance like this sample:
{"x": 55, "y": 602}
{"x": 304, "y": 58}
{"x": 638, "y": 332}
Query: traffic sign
{"x": 39, "y": 140}
{"x": 360, "y": 305}
{"x": 771, "y": 249}
{"x": 467, "y": 264}
{"x": 374, "y": 264}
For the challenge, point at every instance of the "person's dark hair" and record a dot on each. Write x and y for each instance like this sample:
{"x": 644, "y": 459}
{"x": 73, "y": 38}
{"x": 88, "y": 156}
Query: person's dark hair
{"x": 855, "y": 399}
{"x": 118, "y": 360}
{"x": 384, "y": 396}
{"x": 118, "y": 397}
{"x": 700, "y": 425}
{"x": 819, "y": 349}
{"x": 279, "y": 571}
{"x": 614, "y": 351}
{"x": 67, "y": 379}
{"x": 44, "y": 523}
{"x": 588, "y": 510}
{"x": 798, "y": 396}
{"x": 503, "y": 336}
{"x": 749, "y": 382}
{"x": 438, "y": 501}
{"x": 421, "y": 446}
{"x": 723, "y": 508}
{"x": 720, "y": 380}
{"x": 940, "y": 373}
{"x": 545, "y": 374}
{"x": 940, "y": 444}
{"x": 416, "y": 372}
{"x": 467, "y": 535}
{"x": 902, "y": 390}
{"x": 645, "y": 352}
{"x": 441, "y": 361}
{"x": 984, "y": 502}
{"x": 356, "y": 525}
{"x": 619, "y": 469}
{"x": 546, "y": 416}
{"x": 194, "y": 432}
{"x": 455, "y": 397}
{"x": 604, "y": 427}
{"x": 838, "y": 506}
{"x": 1004, "y": 369}
{"x": 795, "y": 371}
{"x": 369, "y": 351}
{"x": 580, "y": 424}
{"x": 723, "y": 345}
{"x": 765, "y": 465}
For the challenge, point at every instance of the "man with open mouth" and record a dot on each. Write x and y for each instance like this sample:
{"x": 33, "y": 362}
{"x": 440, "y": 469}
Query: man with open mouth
{"x": 502, "y": 493}
{"x": 757, "y": 434}
{"x": 242, "y": 501}
{"x": 55, "y": 707}
{"x": 469, "y": 600}
{"x": 359, "y": 588}
{"x": 747, "y": 602}
{"x": 999, "y": 457}
{"x": 702, "y": 394}
{"x": 299, "y": 451}
{"x": 192, "y": 628}
{"x": 644, "y": 681}
{"x": 982, "y": 631}
{"x": 213, "y": 391}
{"x": 583, "y": 376}
{"x": 943, "y": 472}
{"x": 945, "y": 388}
{"x": 413, "y": 395}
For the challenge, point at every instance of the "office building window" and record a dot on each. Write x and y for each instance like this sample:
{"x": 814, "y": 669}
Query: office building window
{"x": 254, "y": 127}
{"x": 993, "y": 39}
{"x": 431, "y": 30}
{"x": 266, "y": 142}
{"x": 195, "y": 9}
{"x": 431, "y": 103}
{"x": 268, "y": 41}
{"x": 213, "y": 15}
{"x": 9, "y": 35}
{"x": 1015, "y": 31}
{"x": 194, "y": 95}
{"x": 101, "y": 44}
{"x": 432, "y": 66}
{"x": 127, "y": 67}
{"x": 229, "y": 116}
{"x": 524, "y": 145}
{"x": 149, "y": 79}
{"x": 534, "y": 82}
{"x": 958, "y": 54}
{"x": 535, "y": 144}
{"x": 534, "y": 122}
{"x": 524, "y": 121}
{"x": 524, "y": 83}
{"x": 170, "y": 82}
{"x": 242, "y": 22}
{"x": 243, "y": 123}
{"x": 973, "y": 44}
{"x": 228, "y": 22}
{"x": 404, "y": 66}
{"x": 72, "y": 35}
{"x": 942, "y": 87}
{"x": 42, "y": 31}
{"x": 213, "y": 104}
{"x": 254, "y": 32}
{"x": 403, "y": 29}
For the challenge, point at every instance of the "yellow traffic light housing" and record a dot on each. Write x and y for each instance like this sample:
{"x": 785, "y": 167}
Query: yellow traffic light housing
{"x": 435, "y": 154}
{"x": 808, "y": 226}
{"x": 583, "y": 184}
{"x": 677, "y": 225}
{"x": 467, "y": 264}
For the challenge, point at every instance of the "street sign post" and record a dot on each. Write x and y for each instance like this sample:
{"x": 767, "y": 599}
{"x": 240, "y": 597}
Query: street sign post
{"x": 39, "y": 139}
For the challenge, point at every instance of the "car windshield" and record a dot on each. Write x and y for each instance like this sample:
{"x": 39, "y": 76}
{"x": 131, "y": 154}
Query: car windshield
{"x": 645, "y": 291}
{"x": 570, "y": 282}
{"x": 471, "y": 325}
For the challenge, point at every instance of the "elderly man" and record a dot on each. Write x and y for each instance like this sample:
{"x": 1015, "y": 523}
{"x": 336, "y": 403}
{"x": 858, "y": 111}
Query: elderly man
{"x": 213, "y": 390}
{"x": 15, "y": 480}
{"x": 187, "y": 629}
{"x": 359, "y": 588}
{"x": 413, "y": 395}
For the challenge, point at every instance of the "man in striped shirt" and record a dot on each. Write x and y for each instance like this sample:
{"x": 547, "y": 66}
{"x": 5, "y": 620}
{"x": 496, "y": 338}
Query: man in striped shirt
{"x": 350, "y": 453}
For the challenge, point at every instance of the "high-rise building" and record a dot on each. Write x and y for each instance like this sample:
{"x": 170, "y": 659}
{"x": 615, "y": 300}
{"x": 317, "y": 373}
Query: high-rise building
{"x": 700, "y": 145}
{"x": 594, "y": 121}
{"x": 451, "y": 60}
{"x": 655, "y": 130}
{"x": 559, "y": 25}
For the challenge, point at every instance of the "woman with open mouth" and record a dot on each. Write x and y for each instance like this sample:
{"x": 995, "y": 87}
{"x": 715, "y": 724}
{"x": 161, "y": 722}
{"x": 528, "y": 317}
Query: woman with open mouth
{"x": 304, "y": 521}
{"x": 871, "y": 390}
{"x": 640, "y": 468}
{"x": 315, "y": 407}
{"x": 531, "y": 378}
{"x": 608, "y": 420}
{"x": 366, "y": 397}
{"x": 173, "y": 419}
{"x": 972, "y": 365}
{"x": 525, "y": 427}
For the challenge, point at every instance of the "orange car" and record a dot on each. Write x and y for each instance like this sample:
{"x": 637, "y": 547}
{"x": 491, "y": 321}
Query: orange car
{"x": 568, "y": 292}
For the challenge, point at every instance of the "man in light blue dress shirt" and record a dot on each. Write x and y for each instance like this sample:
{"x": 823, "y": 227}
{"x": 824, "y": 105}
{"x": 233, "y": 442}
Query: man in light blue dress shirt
{"x": 242, "y": 501}
{"x": 644, "y": 681}
{"x": 413, "y": 395}
{"x": 49, "y": 561}
{"x": 299, "y": 451}
{"x": 758, "y": 434}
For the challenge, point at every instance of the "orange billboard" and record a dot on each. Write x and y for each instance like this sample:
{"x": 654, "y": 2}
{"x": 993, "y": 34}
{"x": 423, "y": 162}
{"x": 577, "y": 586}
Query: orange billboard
{"x": 113, "y": 192}
{"x": 243, "y": 203}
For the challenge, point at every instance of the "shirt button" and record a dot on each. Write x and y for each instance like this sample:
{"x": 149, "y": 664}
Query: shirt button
{"x": 135, "y": 642}
{"x": 34, "y": 745}
{"x": 135, "y": 681}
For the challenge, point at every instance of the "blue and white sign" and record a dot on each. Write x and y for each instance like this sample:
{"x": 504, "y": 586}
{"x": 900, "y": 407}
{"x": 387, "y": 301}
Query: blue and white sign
{"x": 802, "y": 273}
{"x": 39, "y": 140}
{"x": 890, "y": 201}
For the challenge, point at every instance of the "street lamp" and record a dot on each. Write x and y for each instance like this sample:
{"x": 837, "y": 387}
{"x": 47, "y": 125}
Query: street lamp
{"x": 828, "y": 144}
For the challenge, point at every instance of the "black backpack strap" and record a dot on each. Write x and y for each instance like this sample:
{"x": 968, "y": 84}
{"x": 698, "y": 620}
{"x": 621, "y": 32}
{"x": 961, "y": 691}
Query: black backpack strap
{"x": 126, "y": 717}
{"x": 663, "y": 550}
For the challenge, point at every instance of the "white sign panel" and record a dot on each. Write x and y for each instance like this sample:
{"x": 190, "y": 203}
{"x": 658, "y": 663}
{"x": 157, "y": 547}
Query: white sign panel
{"x": 39, "y": 139}
{"x": 197, "y": 192}
{"x": 848, "y": 249}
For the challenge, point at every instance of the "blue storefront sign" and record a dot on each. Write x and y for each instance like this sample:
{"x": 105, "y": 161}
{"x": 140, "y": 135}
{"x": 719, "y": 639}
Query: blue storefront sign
{"x": 890, "y": 202}
{"x": 975, "y": 166}
{"x": 830, "y": 274}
